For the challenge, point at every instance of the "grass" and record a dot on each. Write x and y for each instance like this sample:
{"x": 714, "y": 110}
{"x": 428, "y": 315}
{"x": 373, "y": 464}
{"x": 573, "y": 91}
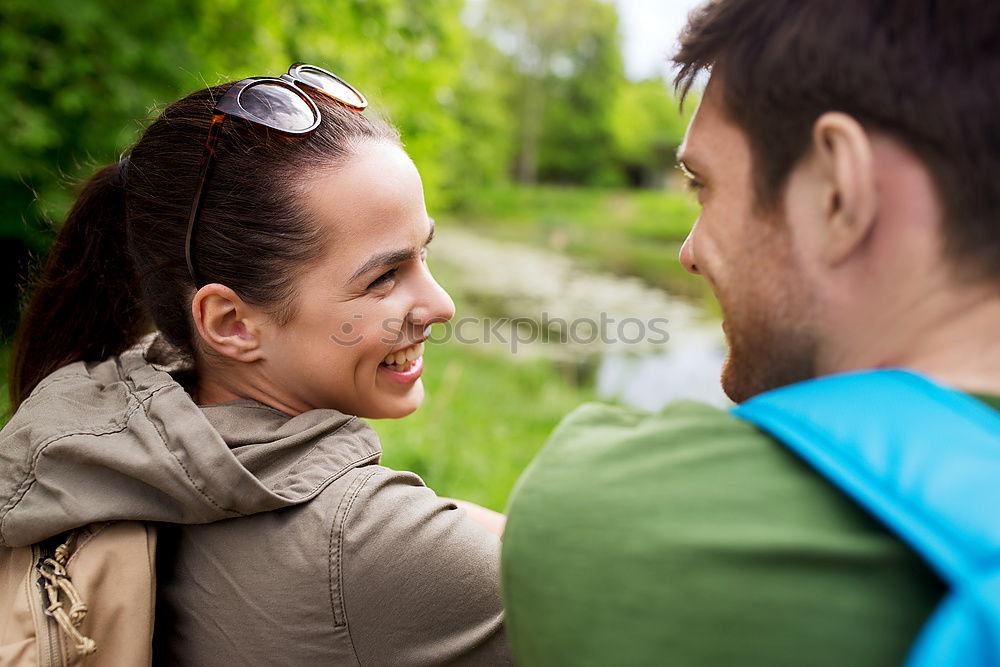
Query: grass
{"x": 626, "y": 232}
{"x": 484, "y": 418}
{"x": 650, "y": 214}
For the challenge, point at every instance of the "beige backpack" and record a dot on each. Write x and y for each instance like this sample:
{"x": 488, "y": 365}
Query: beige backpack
{"x": 88, "y": 601}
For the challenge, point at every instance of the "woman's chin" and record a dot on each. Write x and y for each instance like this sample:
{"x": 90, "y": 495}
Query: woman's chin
{"x": 397, "y": 407}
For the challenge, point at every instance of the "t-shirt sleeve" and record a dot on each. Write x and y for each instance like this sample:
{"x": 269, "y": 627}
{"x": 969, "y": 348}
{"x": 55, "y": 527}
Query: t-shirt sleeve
{"x": 419, "y": 579}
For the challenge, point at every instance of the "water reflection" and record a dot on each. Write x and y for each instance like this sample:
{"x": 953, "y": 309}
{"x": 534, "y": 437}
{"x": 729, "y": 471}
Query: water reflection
{"x": 650, "y": 381}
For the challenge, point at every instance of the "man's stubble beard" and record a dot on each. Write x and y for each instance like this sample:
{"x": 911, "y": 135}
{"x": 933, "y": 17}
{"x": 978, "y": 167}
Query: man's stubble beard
{"x": 764, "y": 356}
{"x": 769, "y": 328}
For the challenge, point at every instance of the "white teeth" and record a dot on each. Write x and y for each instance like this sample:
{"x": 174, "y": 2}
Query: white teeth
{"x": 403, "y": 358}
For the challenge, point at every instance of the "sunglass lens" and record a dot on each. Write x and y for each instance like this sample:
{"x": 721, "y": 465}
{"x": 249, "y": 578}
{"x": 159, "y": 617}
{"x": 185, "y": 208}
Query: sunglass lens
{"x": 278, "y": 106}
{"x": 331, "y": 85}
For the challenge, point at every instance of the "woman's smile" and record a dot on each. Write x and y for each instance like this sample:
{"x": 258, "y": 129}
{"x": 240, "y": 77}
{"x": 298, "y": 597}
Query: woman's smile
{"x": 400, "y": 360}
{"x": 406, "y": 373}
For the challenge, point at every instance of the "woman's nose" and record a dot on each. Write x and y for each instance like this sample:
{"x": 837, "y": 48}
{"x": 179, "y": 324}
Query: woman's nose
{"x": 433, "y": 304}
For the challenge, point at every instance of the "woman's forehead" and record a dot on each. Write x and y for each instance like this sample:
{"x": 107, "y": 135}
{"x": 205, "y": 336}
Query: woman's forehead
{"x": 376, "y": 194}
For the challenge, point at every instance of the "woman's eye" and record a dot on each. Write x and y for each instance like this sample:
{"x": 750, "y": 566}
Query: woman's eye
{"x": 383, "y": 279}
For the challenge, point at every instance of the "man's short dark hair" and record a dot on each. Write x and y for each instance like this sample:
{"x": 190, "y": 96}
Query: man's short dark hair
{"x": 925, "y": 72}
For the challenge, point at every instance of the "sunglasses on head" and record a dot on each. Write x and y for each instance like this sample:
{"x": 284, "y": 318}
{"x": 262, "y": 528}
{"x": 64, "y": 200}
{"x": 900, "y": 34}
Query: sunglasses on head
{"x": 280, "y": 104}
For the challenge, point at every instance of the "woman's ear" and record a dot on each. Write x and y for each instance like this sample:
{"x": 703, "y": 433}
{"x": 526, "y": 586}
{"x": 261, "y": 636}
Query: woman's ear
{"x": 845, "y": 159}
{"x": 226, "y": 323}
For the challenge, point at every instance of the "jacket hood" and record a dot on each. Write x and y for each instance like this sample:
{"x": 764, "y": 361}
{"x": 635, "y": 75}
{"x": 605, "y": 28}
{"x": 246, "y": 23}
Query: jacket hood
{"x": 120, "y": 439}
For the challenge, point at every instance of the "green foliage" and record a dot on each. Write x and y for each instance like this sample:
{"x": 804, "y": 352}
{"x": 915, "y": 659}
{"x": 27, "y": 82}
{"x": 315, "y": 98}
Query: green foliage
{"x": 536, "y": 89}
{"x": 565, "y": 57}
{"x": 648, "y": 127}
{"x": 406, "y": 56}
{"x": 73, "y": 74}
{"x": 480, "y": 105}
{"x": 641, "y": 214}
{"x": 626, "y": 232}
{"x": 578, "y": 141}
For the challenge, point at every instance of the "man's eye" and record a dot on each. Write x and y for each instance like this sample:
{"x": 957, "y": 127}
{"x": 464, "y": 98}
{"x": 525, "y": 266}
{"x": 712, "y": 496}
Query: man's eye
{"x": 694, "y": 185}
{"x": 383, "y": 279}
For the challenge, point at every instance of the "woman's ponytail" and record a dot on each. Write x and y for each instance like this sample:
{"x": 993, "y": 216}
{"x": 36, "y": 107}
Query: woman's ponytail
{"x": 86, "y": 303}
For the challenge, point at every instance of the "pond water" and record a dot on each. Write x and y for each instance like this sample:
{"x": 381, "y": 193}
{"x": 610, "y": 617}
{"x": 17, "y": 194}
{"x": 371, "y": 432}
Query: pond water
{"x": 648, "y": 347}
{"x": 650, "y": 381}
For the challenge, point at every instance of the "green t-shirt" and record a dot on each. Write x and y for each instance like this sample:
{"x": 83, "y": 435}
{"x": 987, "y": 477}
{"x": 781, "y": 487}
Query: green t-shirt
{"x": 688, "y": 537}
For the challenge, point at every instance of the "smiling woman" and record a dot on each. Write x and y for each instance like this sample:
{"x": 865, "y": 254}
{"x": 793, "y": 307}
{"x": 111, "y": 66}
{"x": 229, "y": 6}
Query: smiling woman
{"x": 285, "y": 277}
{"x": 366, "y": 302}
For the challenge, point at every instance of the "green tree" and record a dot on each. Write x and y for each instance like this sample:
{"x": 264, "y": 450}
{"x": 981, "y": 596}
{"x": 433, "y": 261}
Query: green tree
{"x": 80, "y": 78}
{"x": 481, "y": 104}
{"x": 73, "y": 75}
{"x": 577, "y": 145}
{"x": 648, "y": 126}
{"x": 564, "y": 59}
{"x": 75, "y": 72}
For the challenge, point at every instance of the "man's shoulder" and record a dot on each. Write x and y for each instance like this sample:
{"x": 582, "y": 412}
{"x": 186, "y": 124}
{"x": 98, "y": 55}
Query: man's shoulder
{"x": 678, "y": 415}
{"x": 689, "y": 467}
{"x": 664, "y": 528}
{"x": 688, "y": 444}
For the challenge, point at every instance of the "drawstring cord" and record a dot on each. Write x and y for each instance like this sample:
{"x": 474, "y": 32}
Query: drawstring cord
{"x": 56, "y": 583}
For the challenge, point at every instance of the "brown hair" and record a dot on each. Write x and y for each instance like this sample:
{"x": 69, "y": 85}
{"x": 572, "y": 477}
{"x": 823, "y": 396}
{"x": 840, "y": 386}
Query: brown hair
{"x": 926, "y": 72}
{"x": 117, "y": 267}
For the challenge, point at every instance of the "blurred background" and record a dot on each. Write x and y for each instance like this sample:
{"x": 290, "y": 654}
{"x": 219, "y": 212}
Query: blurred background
{"x": 545, "y": 132}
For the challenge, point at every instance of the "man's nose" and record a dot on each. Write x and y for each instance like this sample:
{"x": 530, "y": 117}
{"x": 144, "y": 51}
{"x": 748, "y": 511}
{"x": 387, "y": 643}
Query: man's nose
{"x": 686, "y": 256}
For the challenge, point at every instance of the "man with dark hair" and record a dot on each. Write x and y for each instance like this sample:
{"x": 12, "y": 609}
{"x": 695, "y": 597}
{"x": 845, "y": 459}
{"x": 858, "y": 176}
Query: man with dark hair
{"x": 845, "y": 155}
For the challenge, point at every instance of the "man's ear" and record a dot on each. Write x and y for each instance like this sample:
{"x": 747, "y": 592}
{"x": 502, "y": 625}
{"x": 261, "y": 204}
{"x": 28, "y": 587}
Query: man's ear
{"x": 843, "y": 154}
{"x": 226, "y": 323}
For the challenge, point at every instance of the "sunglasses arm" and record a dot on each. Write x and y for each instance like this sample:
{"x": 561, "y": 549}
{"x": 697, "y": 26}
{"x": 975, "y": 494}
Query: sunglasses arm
{"x": 204, "y": 171}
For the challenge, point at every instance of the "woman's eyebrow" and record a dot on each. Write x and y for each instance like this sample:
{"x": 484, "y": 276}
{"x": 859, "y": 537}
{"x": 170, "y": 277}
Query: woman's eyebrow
{"x": 390, "y": 257}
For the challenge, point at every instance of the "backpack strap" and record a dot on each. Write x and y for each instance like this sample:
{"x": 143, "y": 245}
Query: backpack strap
{"x": 63, "y": 602}
{"x": 925, "y": 460}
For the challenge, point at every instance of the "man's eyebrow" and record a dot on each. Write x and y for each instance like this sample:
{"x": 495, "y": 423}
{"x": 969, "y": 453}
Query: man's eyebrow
{"x": 390, "y": 257}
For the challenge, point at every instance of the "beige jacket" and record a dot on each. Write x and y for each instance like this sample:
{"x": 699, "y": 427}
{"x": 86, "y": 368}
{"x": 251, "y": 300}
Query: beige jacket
{"x": 282, "y": 541}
